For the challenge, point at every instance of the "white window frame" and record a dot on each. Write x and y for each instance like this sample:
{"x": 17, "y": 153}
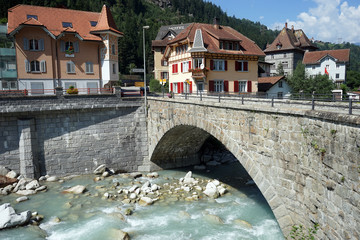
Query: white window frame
{"x": 92, "y": 87}
{"x": 243, "y": 86}
{"x": 175, "y": 87}
{"x": 35, "y": 66}
{"x": 89, "y": 67}
{"x": 218, "y": 85}
{"x": 70, "y": 67}
{"x": 219, "y": 65}
{"x": 197, "y": 62}
{"x": 43, "y": 66}
{"x": 36, "y": 91}
{"x": 185, "y": 66}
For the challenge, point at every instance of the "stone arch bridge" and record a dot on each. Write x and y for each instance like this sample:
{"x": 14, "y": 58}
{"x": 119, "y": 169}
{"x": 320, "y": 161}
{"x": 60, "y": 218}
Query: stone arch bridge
{"x": 305, "y": 163}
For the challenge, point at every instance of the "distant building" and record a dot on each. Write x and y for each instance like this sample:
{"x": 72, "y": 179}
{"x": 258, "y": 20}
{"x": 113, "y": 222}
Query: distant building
{"x": 330, "y": 62}
{"x": 212, "y": 58}
{"x": 288, "y": 49}
{"x": 264, "y": 69}
{"x": 273, "y": 87}
{"x": 164, "y": 36}
{"x": 63, "y": 47}
{"x": 8, "y": 75}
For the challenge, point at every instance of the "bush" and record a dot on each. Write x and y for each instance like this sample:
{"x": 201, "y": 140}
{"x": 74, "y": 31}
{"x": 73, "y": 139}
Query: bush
{"x": 155, "y": 86}
{"x": 72, "y": 90}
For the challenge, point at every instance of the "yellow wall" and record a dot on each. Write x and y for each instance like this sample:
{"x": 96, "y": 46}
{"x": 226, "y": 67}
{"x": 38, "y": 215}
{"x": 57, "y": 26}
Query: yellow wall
{"x": 157, "y": 63}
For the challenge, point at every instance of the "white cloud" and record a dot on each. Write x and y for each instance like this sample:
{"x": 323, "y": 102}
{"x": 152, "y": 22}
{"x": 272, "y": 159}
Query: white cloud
{"x": 329, "y": 21}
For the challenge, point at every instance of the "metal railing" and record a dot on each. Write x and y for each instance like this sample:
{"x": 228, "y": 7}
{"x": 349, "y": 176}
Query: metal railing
{"x": 324, "y": 102}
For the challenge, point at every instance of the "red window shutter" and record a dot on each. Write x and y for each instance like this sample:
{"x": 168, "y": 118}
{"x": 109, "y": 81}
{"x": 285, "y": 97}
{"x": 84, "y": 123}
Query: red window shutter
{"x": 178, "y": 87}
{"x": 245, "y": 66}
{"x": 172, "y": 68}
{"x": 211, "y": 86}
{"x": 182, "y": 87}
{"x": 249, "y": 86}
{"x": 236, "y": 86}
{"x": 171, "y": 86}
{"x": 176, "y": 68}
{"x": 189, "y": 64}
{"x": 190, "y": 87}
{"x": 226, "y": 86}
{"x": 225, "y": 65}
{"x": 212, "y": 64}
{"x": 182, "y": 67}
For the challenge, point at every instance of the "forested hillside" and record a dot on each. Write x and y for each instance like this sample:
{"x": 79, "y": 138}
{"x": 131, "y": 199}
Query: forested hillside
{"x": 131, "y": 15}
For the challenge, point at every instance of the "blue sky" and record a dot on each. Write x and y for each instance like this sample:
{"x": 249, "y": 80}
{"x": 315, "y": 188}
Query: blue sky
{"x": 326, "y": 20}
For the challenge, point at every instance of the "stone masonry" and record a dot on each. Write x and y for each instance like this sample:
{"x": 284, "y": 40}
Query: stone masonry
{"x": 306, "y": 163}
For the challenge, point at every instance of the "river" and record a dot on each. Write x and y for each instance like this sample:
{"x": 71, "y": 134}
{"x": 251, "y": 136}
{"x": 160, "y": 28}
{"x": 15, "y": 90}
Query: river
{"x": 242, "y": 213}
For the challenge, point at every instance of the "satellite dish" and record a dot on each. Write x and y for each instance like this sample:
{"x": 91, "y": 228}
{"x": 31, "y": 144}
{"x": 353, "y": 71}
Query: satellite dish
{"x": 202, "y": 66}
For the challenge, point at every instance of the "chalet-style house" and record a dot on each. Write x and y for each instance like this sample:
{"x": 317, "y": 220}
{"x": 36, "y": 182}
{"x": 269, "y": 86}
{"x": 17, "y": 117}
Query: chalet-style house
{"x": 63, "y": 47}
{"x": 288, "y": 49}
{"x": 164, "y": 36}
{"x": 330, "y": 62}
{"x": 212, "y": 58}
{"x": 273, "y": 87}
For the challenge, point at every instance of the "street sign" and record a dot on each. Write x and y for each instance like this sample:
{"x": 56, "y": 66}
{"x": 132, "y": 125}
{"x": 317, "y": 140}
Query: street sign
{"x": 137, "y": 70}
{"x": 163, "y": 81}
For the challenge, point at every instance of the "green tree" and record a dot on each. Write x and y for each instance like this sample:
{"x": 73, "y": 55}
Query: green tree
{"x": 155, "y": 86}
{"x": 280, "y": 70}
{"x": 353, "y": 80}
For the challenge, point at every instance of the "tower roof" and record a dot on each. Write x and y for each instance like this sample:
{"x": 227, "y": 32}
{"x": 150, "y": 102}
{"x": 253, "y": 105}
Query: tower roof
{"x": 106, "y": 22}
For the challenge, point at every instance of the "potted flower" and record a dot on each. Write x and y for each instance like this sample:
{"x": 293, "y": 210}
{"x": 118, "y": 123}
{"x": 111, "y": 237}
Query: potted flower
{"x": 170, "y": 94}
{"x": 72, "y": 90}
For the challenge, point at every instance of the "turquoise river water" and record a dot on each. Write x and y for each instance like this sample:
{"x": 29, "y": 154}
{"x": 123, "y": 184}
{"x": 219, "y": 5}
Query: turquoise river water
{"x": 89, "y": 216}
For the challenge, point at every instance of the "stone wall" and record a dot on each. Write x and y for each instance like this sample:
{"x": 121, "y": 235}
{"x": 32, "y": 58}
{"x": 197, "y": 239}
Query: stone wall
{"x": 72, "y": 134}
{"x": 306, "y": 163}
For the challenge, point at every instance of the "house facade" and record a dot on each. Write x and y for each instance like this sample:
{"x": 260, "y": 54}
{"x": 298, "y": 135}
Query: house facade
{"x": 212, "y": 58}
{"x": 274, "y": 87}
{"x": 164, "y": 36}
{"x": 287, "y": 50}
{"x": 63, "y": 47}
{"x": 8, "y": 76}
{"x": 330, "y": 62}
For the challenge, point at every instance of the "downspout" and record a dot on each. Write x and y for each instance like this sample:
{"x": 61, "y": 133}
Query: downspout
{"x": 100, "y": 73}
{"x": 57, "y": 73}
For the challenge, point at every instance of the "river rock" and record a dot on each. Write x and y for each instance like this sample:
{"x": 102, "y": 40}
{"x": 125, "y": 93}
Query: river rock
{"x": 153, "y": 175}
{"x": 133, "y": 188}
{"x": 221, "y": 190}
{"x": 42, "y": 178}
{"x": 11, "y": 174}
{"x": 213, "y": 219}
{"x": 100, "y": 169}
{"x": 4, "y": 170}
{"x": 22, "y": 199}
{"x": 145, "y": 201}
{"x": 135, "y": 174}
{"x": 117, "y": 234}
{"x": 21, "y": 185}
{"x": 118, "y": 216}
{"x": 75, "y": 190}
{"x": 154, "y": 187}
{"x": 242, "y": 223}
{"x": 52, "y": 179}
{"x": 32, "y": 185}
{"x": 133, "y": 196}
{"x": 26, "y": 192}
{"x": 105, "y": 174}
{"x": 188, "y": 179}
{"x": 41, "y": 188}
{"x": 6, "y": 190}
{"x": 9, "y": 218}
{"x": 211, "y": 190}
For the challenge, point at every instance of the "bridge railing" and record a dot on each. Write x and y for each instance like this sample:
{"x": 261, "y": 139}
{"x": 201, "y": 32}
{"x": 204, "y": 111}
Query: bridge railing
{"x": 328, "y": 102}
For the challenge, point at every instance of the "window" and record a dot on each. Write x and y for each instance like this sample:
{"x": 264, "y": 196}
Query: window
{"x": 337, "y": 75}
{"x": 69, "y": 48}
{"x": 89, "y": 67}
{"x": 185, "y": 66}
{"x": 218, "y": 85}
{"x": 313, "y": 67}
{"x": 175, "y": 68}
{"x": 37, "y": 88}
{"x": 198, "y": 62}
{"x": 162, "y": 50}
{"x": 34, "y": 44}
{"x": 35, "y": 66}
{"x": 164, "y": 63}
{"x": 70, "y": 67}
{"x": 242, "y": 66}
{"x": 230, "y": 46}
{"x": 242, "y": 86}
{"x": 280, "y": 95}
{"x": 32, "y": 16}
{"x": 221, "y": 45}
{"x": 219, "y": 65}
{"x": 285, "y": 65}
{"x": 284, "y": 55}
{"x": 67, "y": 24}
{"x": 164, "y": 75}
{"x": 337, "y": 65}
{"x": 43, "y": 66}
{"x": 114, "y": 68}
{"x": 272, "y": 56}
{"x": 113, "y": 49}
{"x": 280, "y": 84}
{"x": 327, "y": 66}
{"x": 93, "y": 23}
{"x": 68, "y": 84}
{"x": 92, "y": 87}
{"x": 175, "y": 87}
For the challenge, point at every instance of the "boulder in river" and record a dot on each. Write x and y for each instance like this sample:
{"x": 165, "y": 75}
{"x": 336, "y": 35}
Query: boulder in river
{"x": 117, "y": 234}
{"x": 9, "y": 218}
{"x": 100, "y": 169}
{"x": 78, "y": 189}
{"x": 211, "y": 190}
{"x": 5, "y": 181}
{"x": 145, "y": 201}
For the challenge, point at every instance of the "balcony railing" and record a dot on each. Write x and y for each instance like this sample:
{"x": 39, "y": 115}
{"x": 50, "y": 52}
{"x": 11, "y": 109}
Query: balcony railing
{"x": 198, "y": 72}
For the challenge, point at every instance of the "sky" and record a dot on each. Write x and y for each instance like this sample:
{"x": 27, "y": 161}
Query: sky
{"x": 326, "y": 20}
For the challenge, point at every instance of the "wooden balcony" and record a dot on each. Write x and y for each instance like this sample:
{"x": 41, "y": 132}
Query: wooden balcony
{"x": 199, "y": 73}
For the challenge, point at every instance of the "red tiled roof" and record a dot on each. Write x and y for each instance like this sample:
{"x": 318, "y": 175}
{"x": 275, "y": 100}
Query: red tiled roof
{"x": 52, "y": 19}
{"x": 272, "y": 80}
{"x": 290, "y": 39}
{"x": 106, "y": 22}
{"x": 211, "y": 35}
{"x": 341, "y": 55}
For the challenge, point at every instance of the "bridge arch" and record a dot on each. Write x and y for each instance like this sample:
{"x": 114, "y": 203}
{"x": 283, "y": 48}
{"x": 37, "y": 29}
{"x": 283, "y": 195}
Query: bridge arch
{"x": 297, "y": 159}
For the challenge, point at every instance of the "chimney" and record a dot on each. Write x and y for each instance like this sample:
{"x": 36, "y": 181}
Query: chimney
{"x": 286, "y": 25}
{"x": 216, "y": 22}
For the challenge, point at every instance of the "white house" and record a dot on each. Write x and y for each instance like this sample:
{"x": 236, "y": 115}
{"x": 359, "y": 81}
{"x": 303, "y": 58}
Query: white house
{"x": 275, "y": 86}
{"x": 330, "y": 62}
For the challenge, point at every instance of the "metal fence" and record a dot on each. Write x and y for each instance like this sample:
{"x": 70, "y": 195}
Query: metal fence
{"x": 326, "y": 102}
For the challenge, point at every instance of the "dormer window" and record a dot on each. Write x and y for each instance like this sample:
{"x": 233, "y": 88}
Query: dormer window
{"x": 93, "y": 23}
{"x": 67, "y": 24}
{"x": 32, "y": 16}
